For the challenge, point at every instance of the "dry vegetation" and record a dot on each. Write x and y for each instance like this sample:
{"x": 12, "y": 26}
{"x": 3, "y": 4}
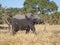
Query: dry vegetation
{"x": 46, "y": 35}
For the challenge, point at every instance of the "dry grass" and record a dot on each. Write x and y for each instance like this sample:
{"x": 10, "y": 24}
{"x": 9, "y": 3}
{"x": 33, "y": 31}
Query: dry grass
{"x": 50, "y": 36}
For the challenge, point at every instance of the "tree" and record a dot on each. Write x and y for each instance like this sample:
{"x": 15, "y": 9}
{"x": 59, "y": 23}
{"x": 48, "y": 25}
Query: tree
{"x": 1, "y": 12}
{"x": 55, "y": 18}
{"x": 44, "y": 5}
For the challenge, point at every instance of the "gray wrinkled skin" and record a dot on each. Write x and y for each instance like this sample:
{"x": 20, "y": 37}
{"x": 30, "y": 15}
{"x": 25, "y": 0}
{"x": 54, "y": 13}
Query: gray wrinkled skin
{"x": 34, "y": 17}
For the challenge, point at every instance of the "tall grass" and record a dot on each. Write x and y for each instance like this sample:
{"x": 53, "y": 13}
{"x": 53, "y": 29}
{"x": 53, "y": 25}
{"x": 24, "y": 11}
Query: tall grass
{"x": 42, "y": 38}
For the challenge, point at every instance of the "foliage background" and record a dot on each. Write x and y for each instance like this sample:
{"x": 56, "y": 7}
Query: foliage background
{"x": 48, "y": 11}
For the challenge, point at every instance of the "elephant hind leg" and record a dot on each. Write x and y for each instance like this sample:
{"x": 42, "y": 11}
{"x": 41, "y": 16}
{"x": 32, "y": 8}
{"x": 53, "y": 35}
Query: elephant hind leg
{"x": 27, "y": 29}
{"x": 15, "y": 29}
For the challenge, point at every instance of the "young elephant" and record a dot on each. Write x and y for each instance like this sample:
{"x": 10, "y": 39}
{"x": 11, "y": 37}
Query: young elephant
{"x": 22, "y": 24}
